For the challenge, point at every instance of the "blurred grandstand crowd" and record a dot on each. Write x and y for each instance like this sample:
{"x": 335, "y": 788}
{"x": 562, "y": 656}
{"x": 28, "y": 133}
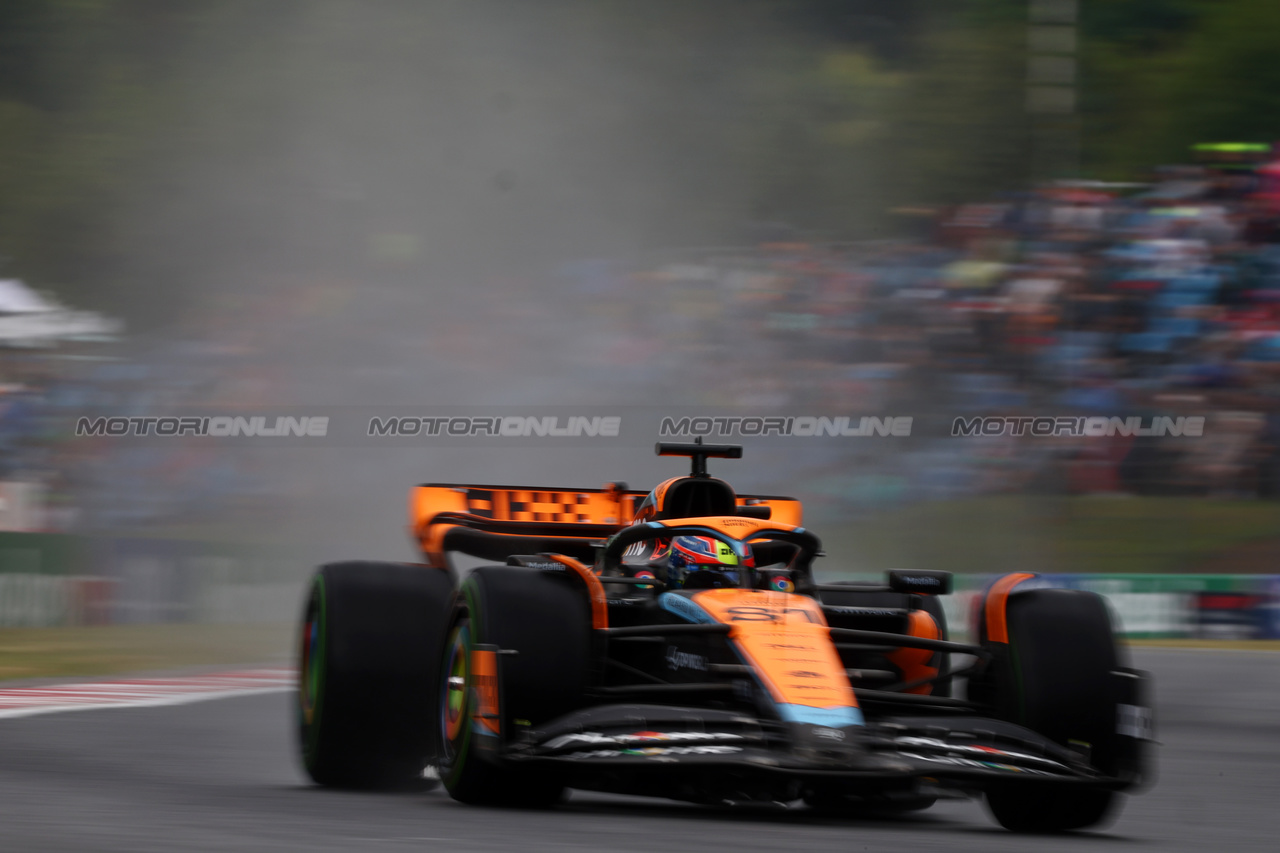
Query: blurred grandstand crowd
{"x": 1075, "y": 298}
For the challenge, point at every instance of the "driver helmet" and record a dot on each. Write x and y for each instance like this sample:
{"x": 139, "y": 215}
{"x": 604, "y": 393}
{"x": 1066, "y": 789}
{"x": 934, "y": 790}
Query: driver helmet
{"x": 704, "y": 562}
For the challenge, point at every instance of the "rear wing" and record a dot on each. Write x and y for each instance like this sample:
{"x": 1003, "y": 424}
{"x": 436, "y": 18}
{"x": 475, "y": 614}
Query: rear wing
{"x": 495, "y": 522}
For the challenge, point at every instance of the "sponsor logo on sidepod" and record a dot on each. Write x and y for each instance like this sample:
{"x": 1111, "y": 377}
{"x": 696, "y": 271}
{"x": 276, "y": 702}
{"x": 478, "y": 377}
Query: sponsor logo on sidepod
{"x": 677, "y": 660}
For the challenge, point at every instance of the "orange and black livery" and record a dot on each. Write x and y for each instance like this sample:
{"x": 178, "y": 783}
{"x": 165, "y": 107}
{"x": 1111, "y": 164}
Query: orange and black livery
{"x": 676, "y": 642}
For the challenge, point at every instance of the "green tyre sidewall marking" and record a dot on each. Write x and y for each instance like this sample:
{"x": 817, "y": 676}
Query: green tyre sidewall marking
{"x": 318, "y": 665}
{"x": 464, "y": 748}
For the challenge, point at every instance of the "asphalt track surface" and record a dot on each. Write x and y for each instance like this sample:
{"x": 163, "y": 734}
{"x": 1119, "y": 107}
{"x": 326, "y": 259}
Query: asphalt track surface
{"x": 221, "y": 775}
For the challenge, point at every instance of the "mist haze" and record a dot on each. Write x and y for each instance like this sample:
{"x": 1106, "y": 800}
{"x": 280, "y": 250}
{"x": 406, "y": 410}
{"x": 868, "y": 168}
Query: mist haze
{"x": 819, "y": 207}
{"x": 385, "y": 203}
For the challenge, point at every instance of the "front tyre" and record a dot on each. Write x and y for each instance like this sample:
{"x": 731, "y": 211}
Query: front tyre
{"x": 467, "y": 776}
{"x": 1049, "y": 808}
{"x": 1057, "y": 678}
{"x": 543, "y": 622}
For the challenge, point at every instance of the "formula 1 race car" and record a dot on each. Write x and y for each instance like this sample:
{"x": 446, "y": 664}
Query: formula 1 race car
{"x": 675, "y": 643}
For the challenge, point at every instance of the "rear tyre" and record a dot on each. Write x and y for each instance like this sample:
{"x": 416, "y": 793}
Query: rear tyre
{"x": 1049, "y": 808}
{"x": 1057, "y": 680}
{"x": 370, "y": 646}
{"x": 545, "y": 621}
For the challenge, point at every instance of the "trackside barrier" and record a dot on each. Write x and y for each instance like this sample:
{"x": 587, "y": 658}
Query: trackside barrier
{"x": 58, "y": 579}
{"x": 1151, "y": 606}
{"x": 42, "y": 601}
{"x": 1205, "y": 606}
{"x": 50, "y": 579}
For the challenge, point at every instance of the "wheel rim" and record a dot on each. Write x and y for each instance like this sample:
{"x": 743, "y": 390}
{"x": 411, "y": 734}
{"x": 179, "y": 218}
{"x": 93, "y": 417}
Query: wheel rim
{"x": 311, "y": 665}
{"x": 453, "y": 692}
{"x": 310, "y": 668}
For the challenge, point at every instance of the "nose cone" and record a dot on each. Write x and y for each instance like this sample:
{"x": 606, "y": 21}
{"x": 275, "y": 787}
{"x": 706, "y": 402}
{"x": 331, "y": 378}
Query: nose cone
{"x": 844, "y": 748}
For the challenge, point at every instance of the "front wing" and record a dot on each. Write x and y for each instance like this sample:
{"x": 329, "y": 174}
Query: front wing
{"x": 648, "y": 742}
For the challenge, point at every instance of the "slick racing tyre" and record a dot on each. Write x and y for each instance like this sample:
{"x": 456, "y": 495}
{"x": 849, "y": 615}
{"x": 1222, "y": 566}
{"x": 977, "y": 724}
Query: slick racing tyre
{"x": 1056, "y": 679}
{"x": 1049, "y": 808}
{"x": 535, "y": 630}
{"x": 367, "y": 672}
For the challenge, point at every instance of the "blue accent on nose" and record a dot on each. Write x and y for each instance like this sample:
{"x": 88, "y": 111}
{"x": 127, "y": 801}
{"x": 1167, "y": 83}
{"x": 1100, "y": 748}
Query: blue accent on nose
{"x": 684, "y": 608}
{"x": 833, "y": 718}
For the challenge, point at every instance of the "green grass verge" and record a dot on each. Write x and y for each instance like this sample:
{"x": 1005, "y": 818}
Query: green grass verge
{"x": 1045, "y": 534}
{"x": 1242, "y": 645}
{"x": 111, "y": 649}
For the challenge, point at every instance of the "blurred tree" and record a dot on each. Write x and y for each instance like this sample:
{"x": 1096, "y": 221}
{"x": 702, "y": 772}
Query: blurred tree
{"x": 154, "y": 153}
{"x": 960, "y": 131}
{"x": 1165, "y": 74}
{"x": 80, "y": 106}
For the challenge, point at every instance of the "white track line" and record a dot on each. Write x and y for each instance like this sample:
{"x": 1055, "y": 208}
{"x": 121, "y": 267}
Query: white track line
{"x": 141, "y": 692}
